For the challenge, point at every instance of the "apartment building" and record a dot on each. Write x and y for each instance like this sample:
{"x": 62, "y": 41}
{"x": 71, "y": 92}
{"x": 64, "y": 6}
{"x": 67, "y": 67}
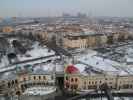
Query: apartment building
{"x": 82, "y": 40}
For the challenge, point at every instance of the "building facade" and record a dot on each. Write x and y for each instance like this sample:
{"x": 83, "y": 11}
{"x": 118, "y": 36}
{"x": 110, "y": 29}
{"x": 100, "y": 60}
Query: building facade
{"x": 93, "y": 40}
{"x": 18, "y": 85}
{"x": 79, "y": 83}
{"x": 7, "y": 29}
{"x": 84, "y": 41}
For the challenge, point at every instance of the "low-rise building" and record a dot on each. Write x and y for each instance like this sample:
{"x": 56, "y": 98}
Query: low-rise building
{"x": 77, "y": 82}
{"x": 80, "y": 83}
{"x": 18, "y": 83}
{"x": 84, "y": 40}
{"x": 7, "y": 29}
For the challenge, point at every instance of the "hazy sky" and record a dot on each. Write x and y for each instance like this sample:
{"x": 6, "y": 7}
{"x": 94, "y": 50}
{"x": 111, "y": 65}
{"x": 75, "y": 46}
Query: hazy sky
{"x": 56, "y": 7}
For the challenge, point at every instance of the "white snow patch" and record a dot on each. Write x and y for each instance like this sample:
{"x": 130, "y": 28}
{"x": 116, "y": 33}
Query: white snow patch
{"x": 4, "y": 62}
{"x": 98, "y": 62}
{"x": 80, "y": 67}
{"x": 45, "y": 67}
{"x": 103, "y": 64}
{"x": 59, "y": 68}
{"x": 36, "y": 52}
{"x": 40, "y": 90}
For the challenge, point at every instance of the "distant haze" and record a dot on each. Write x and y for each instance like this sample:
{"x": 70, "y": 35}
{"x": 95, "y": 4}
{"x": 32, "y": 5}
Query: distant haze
{"x": 40, "y": 8}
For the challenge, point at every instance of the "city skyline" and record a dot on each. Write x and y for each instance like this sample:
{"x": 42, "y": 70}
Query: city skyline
{"x": 41, "y": 8}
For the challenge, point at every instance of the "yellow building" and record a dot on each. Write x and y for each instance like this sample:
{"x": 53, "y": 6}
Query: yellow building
{"x": 7, "y": 29}
{"x": 78, "y": 82}
{"x": 43, "y": 35}
{"x": 77, "y": 42}
{"x": 21, "y": 82}
{"x": 84, "y": 41}
{"x": 103, "y": 39}
{"x": 93, "y": 40}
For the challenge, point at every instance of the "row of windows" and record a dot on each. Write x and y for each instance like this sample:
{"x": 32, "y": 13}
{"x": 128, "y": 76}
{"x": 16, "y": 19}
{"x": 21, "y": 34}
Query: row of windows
{"x": 72, "y": 79}
{"x": 94, "y": 87}
{"x": 108, "y": 80}
{"x": 33, "y": 84}
{"x": 39, "y": 77}
{"x": 72, "y": 87}
{"x": 126, "y": 81}
{"x": 76, "y": 79}
{"x": 126, "y": 86}
{"x": 89, "y": 87}
{"x": 12, "y": 83}
{"x": 92, "y": 82}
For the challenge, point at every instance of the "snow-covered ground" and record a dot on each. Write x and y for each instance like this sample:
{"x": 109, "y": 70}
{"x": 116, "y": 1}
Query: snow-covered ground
{"x": 50, "y": 67}
{"x": 81, "y": 68}
{"x": 129, "y": 56}
{"x": 37, "y": 63}
{"x": 102, "y": 64}
{"x": 40, "y": 90}
{"x": 36, "y": 52}
{"x": 4, "y": 62}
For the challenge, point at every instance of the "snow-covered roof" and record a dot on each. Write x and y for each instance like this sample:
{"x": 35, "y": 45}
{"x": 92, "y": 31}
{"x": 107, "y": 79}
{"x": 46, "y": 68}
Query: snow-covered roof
{"x": 129, "y": 56}
{"x": 50, "y": 67}
{"x": 104, "y": 65}
{"x": 36, "y": 52}
{"x": 81, "y": 67}
{"x": 41, "y": 72}
{"x": 59, "y": 67}
{"x": 8, "y": 76}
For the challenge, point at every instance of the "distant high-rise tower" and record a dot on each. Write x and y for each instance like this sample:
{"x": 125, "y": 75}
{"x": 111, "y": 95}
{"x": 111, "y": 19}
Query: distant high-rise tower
{"x": 66, "y": 15}
{"x": 81, "y": 15}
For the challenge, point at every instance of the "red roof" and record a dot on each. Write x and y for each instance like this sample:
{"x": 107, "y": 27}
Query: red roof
{"x": 71, "y": 69}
